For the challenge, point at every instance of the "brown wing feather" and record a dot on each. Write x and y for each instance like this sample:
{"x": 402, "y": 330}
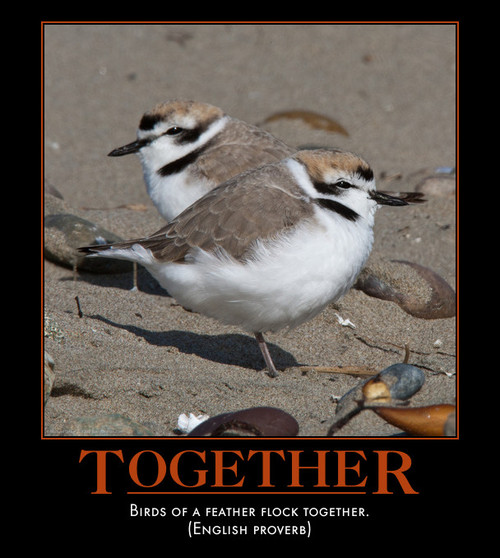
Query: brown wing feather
{"x": 232, "y": 217}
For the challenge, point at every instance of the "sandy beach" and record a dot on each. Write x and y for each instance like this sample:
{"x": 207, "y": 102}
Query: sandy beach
{"x": 131, "y": 361}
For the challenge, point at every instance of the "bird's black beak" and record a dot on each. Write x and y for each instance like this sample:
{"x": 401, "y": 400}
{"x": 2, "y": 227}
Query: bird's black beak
{"x": 133, "y": 147}
{"x": 396, "y": 198}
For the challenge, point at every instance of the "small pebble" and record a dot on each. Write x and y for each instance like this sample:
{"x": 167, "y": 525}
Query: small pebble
{"x": 398, "y": 382}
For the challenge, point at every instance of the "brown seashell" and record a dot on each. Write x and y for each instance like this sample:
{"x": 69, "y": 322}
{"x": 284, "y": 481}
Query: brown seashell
{"x": 440, "y": 301}
{"x": 256, "y": 421}
{"x": 417, "y": 421}
{"x": 313, "y": 119}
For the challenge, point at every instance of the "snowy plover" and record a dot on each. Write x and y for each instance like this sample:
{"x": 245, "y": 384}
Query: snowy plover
{"x": 271, "y": 247}
{"x": 187, "y": 148}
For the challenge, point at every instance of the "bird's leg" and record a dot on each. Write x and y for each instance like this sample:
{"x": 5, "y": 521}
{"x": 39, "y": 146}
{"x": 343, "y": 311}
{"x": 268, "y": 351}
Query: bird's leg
{"x": 265, "y": 353}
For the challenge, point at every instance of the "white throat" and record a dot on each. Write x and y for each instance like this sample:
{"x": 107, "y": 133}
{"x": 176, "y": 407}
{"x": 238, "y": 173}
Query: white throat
{"x": 173, "y": 193}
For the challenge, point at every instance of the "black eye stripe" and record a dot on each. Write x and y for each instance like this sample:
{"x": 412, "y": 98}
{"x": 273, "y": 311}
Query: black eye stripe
{"x": 336, "y": 188}
{"x": 339, "y": 208}
{"x": 185, "y": 135}
{"x": 180, "y": 164}
{"x": 175, "y": 130}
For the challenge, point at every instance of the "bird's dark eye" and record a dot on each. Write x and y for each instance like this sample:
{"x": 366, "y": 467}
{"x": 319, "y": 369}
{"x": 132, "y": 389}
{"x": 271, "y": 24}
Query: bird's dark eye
{"x": 343, "y": 184}
{"x": 174, "y": 131}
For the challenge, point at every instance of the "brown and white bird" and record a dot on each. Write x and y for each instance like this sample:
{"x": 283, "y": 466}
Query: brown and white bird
{"x": 186, "y": 148}
{"x": 271, "y": 247}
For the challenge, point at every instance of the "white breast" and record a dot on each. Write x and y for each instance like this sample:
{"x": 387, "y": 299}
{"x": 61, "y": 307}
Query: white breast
{"x": 287, "y": 282}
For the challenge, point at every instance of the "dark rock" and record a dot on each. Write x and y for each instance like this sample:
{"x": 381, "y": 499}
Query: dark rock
{"x": 64, "y": 233}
